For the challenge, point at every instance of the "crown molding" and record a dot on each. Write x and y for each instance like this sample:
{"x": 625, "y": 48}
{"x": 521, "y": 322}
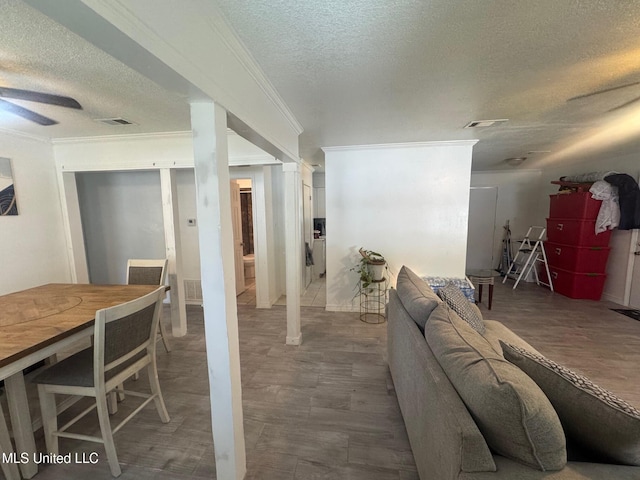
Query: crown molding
{"x": 242, "y": 54}
{"x": 382, "y": 146}
{"x": 186, "y": 135}
{"x": 26, "y": 136}
{"x": 506, "y": 171}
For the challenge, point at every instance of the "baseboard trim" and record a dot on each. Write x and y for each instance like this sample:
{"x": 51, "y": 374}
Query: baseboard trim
{"x": 613, "y": 298}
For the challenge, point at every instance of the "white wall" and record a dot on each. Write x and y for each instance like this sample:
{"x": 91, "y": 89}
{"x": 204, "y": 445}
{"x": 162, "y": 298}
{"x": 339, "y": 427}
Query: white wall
{"x": 409, "y": 202}
{"x": 186, "y": 185}
{"x": 617, "y": 273}
{"x": 518, "y": 201}
{"x": 121, "y": 219}
{"x": 32, "y": 244}
{"x": 319, "y": 201}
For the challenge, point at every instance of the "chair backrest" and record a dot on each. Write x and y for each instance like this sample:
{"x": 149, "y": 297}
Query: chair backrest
{"x": 146, "y": 272}
{"x": 125, "y": 332}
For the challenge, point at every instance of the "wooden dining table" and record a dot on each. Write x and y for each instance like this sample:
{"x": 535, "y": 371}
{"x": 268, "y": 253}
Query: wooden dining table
{"x": 34, "y": 325}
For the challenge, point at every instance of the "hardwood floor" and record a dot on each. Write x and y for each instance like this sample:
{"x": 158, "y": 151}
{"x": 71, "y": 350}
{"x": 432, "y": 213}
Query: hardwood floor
{"x": 583, "y": 335}
{"x": 327, "y": 409}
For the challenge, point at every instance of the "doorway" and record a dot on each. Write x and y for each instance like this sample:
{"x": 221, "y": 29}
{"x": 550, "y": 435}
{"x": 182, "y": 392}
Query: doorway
{"x": 483, "y": 202}
{"x": 236, "y": 219}
{"x": 634, "y": 297}
{"x": 248, "y": 296}
{"x": 307, "y": 232}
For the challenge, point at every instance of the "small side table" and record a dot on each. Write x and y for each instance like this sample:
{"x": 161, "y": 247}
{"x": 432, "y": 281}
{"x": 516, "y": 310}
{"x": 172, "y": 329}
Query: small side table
{"x": 483, "y": 277}
{"x": 373, "y": 300}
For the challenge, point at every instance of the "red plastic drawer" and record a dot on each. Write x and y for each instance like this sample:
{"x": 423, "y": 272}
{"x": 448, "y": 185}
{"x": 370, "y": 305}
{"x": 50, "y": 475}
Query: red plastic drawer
{"x": 574, "y": 205}
{"x": 577, "y": 259}
{"x": 581, "y": 233}
{"x": 576, "y": 285}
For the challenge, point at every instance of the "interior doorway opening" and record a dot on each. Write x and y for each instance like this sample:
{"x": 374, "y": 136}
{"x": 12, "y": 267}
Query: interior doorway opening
{"x": 248, "y": 251}
{"x": 248, "y": 295}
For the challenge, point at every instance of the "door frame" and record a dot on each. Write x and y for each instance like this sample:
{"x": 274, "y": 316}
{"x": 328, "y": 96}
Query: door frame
{"x": 633, "y": 260}
{"x": 263, "y": 250}
{"x": 493, "y": 227}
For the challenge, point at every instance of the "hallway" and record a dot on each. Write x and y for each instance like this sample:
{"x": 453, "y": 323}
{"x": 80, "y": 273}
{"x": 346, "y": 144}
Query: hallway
{"x": 314, "y": 296}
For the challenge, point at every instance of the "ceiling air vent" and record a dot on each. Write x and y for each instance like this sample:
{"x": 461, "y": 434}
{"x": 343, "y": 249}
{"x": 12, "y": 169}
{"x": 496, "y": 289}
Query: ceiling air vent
{"x": 114, "y": 121}
{"x": 486, "y": 123}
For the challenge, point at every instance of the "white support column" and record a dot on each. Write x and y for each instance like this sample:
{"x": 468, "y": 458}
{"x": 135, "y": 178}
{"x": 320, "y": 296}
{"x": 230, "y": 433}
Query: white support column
{"x": 73, "y": 227}
{"x": 293, "y": 246}
{"x": 213, "y": 203}
{"x": 171, "y": 218}
{"x": 272, "y": 293}
{"x": 261, "y": 244}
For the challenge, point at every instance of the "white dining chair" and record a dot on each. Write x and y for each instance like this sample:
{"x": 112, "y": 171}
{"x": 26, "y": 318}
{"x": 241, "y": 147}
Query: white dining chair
{"x": 149, "y": 272}
{"x": 124, "y": 343}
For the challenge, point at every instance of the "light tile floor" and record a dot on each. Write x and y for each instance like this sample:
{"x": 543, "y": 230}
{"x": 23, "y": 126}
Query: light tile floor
{"x": 314, "y": 296}
{"x": 248, "y": 297}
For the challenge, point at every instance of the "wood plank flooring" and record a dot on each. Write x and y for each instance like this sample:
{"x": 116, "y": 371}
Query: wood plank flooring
{"x": 327, "y": 409}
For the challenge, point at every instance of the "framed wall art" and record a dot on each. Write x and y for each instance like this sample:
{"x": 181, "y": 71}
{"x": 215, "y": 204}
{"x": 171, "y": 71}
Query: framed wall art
{"x": 8, "y": 204}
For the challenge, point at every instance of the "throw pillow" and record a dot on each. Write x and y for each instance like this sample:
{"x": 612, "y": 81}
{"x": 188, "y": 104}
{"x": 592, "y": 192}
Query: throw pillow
{"x": 593, "y": 416}
{"x": 416, "y": 296}
{"x": 457, "y": 300}
{"x": 514, "y": 416}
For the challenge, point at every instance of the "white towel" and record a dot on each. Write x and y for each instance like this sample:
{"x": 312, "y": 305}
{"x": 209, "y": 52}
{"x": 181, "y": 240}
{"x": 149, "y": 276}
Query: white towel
{"x": 609, "y": 214}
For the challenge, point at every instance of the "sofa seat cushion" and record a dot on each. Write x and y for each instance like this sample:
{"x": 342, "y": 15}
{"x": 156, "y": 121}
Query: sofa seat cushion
{"x": 590, "y": 415}
{"x": 510, "y": 410}
{"x": 416, "y": 296}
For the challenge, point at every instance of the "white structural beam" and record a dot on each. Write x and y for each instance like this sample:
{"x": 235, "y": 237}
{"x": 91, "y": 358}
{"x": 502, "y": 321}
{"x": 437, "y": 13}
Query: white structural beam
{"x": 205, "y": 60}
{"x": 213, "y": 206}
{"x": 293, "y": 247}
{"x": 171, "y": 217}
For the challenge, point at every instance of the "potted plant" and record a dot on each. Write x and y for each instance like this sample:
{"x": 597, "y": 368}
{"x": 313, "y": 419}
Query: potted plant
{"x": 371, "y": 267}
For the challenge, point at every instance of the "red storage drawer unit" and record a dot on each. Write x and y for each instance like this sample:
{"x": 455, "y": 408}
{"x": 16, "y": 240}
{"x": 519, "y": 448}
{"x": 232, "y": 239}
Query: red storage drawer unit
{"x": 576, "y": 285}
{"x": 577, "y": 259}
{"x": 570, "y": 231}
{"x": 574, "y": 205}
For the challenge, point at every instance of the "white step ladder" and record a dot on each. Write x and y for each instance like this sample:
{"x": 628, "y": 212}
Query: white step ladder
{"x": 530, "y": 253}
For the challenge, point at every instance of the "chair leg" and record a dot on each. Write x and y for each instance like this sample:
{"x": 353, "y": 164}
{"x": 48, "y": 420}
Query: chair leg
{"x": 120, "y": 390}
{"x": 112, "y": 402}
{"x": 49, "y": 418}
{"x": 10, "y": 469}
{"x": 155, "y": 389}
{"x": 164, "y": 334}
{"x": 107, "y": 435}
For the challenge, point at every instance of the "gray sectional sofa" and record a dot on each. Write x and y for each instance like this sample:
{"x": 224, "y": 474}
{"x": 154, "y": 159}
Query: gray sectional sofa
{"x": 452, "y": 438}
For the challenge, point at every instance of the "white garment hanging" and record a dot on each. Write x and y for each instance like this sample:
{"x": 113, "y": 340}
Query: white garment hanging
{"x": 609, "y": 214}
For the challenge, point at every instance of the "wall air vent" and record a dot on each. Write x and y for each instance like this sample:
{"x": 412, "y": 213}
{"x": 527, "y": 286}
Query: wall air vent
{"x": 486, "y": 123}
{"x": 114, "y": 121}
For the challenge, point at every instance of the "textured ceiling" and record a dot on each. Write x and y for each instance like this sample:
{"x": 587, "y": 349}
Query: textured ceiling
{"x": 38, "y": 54}
{"x": 377, "y": 71}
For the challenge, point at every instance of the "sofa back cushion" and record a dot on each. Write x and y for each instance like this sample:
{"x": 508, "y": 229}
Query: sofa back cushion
{"x": 515, "y": 417}
{"x": 459, "y": 303}
{"x": 592, "y": 416}
{"x": 416, "y": 296}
